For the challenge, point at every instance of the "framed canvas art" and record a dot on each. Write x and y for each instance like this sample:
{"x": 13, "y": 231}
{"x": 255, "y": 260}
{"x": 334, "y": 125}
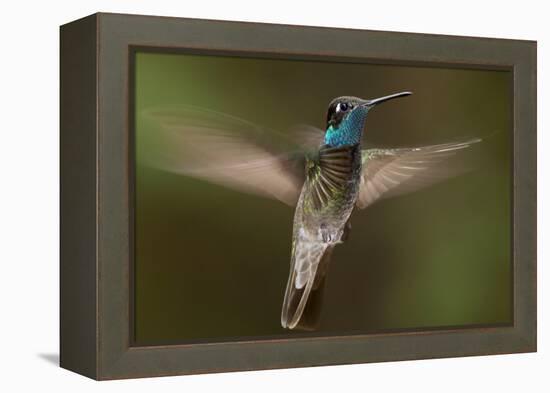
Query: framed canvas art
{"x": 240, "y": 196}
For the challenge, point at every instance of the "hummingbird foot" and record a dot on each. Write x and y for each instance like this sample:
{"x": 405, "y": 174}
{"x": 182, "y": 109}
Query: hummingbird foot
{"x": 325, "y": 234}
{"x": 329, "y": 236}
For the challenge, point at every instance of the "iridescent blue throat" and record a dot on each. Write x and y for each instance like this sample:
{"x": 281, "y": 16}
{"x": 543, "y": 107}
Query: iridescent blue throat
{"x": 350, "y": 129}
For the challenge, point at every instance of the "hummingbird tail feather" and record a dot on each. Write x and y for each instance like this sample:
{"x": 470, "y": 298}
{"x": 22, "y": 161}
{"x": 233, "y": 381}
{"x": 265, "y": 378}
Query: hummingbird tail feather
{"x": 304, "y": 290}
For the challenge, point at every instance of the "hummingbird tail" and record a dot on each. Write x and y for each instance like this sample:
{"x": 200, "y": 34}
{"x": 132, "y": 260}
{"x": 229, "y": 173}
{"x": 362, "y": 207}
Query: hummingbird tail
{"x": 305, "y": 286}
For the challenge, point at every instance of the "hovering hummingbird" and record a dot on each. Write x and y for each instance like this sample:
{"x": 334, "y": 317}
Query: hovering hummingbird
{"x": 326, "y": 175}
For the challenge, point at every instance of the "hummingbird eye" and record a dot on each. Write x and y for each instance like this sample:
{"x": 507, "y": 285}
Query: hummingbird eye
{"x": 343, "y": 106}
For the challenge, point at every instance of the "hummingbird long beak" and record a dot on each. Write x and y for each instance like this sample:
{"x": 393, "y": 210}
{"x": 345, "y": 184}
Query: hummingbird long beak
{"x": 377, "y": 101}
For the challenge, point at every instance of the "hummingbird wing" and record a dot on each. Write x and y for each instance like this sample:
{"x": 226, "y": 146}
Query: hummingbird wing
{"x": 307, "y": 136}
{"x": 223, "y": 149}
{"x": 391, "y": 172}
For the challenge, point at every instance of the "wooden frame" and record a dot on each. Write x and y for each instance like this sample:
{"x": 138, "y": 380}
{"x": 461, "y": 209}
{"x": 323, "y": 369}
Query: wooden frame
{"x": 96, "y": 197}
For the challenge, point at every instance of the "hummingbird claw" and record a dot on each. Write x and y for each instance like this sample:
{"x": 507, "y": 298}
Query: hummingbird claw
{"x": 325, "y": 234}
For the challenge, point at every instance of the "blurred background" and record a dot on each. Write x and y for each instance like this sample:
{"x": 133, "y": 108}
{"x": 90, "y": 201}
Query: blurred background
{"x": 212, "y": 263}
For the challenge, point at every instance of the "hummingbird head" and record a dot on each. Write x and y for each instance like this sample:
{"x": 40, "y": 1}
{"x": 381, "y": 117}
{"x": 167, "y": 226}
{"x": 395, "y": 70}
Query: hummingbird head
{"x": 346, "y": 118}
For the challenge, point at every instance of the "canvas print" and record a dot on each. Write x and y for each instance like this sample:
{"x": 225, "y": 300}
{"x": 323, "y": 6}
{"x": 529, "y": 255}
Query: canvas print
{"x": 300, "y": 197}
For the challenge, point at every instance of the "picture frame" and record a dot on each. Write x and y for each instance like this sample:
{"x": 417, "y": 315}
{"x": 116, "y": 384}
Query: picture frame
{"x": 97, "y": 199}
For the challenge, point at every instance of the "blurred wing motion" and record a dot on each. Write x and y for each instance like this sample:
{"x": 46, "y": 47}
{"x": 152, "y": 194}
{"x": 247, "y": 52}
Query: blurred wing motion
{"x": 224, "y": 150}
{"x": 308, "y": 136}
{"x": 391, "y": 172}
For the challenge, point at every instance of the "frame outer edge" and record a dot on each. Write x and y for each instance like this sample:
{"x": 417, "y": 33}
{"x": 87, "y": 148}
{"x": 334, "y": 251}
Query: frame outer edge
{"x": 117, "y": 358}
{"x": 78, "y": 202}
{"x": 526, "y": 177}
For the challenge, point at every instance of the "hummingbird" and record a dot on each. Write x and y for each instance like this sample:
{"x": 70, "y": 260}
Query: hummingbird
{"x": 326, "y": 175}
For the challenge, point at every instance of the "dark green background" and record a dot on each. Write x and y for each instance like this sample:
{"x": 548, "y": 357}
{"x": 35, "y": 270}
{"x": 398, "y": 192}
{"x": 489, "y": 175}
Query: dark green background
{"x": 212, "y": 263}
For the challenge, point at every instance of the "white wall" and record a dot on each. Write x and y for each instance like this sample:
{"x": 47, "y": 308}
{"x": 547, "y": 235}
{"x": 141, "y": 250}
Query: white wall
{"x": 29, "y": 192}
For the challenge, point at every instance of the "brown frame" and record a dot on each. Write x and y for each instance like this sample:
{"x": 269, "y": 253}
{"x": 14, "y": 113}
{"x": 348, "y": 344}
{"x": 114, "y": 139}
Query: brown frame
{"x": 96, "y": 194}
